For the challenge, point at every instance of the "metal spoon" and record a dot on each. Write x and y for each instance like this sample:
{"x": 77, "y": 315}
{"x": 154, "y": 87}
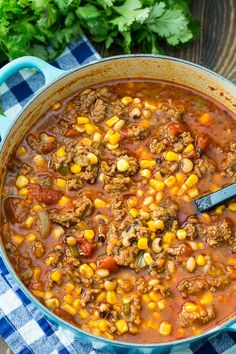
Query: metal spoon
{"x": 219, "y": 197}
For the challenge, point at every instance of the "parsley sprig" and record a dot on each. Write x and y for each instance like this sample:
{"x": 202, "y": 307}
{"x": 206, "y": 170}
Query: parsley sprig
{"x": 44, "y": 27}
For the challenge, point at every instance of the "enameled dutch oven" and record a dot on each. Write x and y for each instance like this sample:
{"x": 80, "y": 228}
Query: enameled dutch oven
{"x": 60, "y": 84}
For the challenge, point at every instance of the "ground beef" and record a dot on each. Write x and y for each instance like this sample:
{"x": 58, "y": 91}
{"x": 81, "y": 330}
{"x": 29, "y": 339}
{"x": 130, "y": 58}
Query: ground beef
{"x": 88, "y": 295}
{"x": 126, "y": 284}
{"x": 157, "y": 147}
{"x": 137, "y": 132}
{"x": 77, "y": 153}
{"x": 117, "y": 208}
{"x": 38, "y": 249}
{"x": 229, "y": 164}
{"x": 95, "y": 104}
{"x": 141, "y": 285}
{"x": 83, "y": 208}
{"x": 112, "y": 171}
{"x": 193, "y": 228}
{"x": 204, "y": 166}
{"x": 116, "y": 184}
{"x": 24, "y": 169}
{"x": 166, "y": 211}
{"x": 166, "y": 114}
{"x": 54, "y": 258}
{"x": 201, "y": 317}
{"x": 42, "y": 144}
{"x": 181, "y": 252}
{"x": 131, "y": 313}
{"x": 25, "y": 269}
{"x": 74, "y": 184}
{"x": 219, "y": 233}
{"x": 193, "y": 286}
{"x": 124, "y": 256}
{"x": 61, "y": 127}
{"x": 166, "y": 168}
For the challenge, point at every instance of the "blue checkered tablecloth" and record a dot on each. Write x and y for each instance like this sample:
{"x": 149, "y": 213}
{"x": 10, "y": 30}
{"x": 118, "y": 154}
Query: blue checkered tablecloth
{"x": 22, "y": 325}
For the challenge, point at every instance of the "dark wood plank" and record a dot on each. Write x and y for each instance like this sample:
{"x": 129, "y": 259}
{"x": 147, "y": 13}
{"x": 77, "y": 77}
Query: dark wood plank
{"x": 216, "y": 46}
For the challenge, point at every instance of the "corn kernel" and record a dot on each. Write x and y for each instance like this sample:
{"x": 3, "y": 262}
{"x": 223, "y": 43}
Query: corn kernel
{"x": 61, "y": 152}
{"x": 119, "y": 125}
{"x": 114, "y": 138}
{"x": 165, "y": 328}
{"x": 83, "y": 314}
{"x": 171, "y": 156}
{"x": 78, "y": 291}
{"x": 188, "y": 148}
{"x": 148, "y": 258}
{"x": 145, "y": 298}
{"x": 18, "y": 239}
{"x": 75, "y": 168}
{"x": 86, "y": 141}
{"x": 170, "y": 181}
{"x": 39, "y": 160}
{"x": 189, "y": 307}
{"x": 148, "y": 200}
{"x": 70, "y": 309}
{"x": 232, "y": 261}
{"x": 191, "y": 180}
{"x": 22, "y": 181}
{"x": 38, "y": 293}
{"x": 132, "y": 202}
{"x": 126, "y": 100}
{"x": 63, "y": 201}
{"x": 31, "y": 237}
{"x": 180, "y": 177}
{"x": 193, "y": 192}
{"x": 155, "y": 225}
{"x": 111, "y": 297}
{"x": 21, "y": 151}
{"x": 152, "y": 305}
{"x": 122, "y": 326}
{"x": 76, "y": 304}
{"x": 37, "y": 207}
{"x": 134, "y": 212}
{"x": 69, "y": 288}
{"x": 56, "y": 106}
{"x": 60, "y": 183}
{"x": 181, "y": 234}
{"x": 207, "y": 298}
{"x": 144, "y": 214}
{"x": 112, "y": 147}
{"x": 157, "y": 185}
{"x": 147, "y": 164}
{"x": 122, "y": 165}
{"x": 69, "y": 299}
{"x": 159, "y": 196}
{"x": 112, "y": 121}
{"x": 86, "y": 270}
{"x": 205, "y": 118}
{"x": 162, "y": 304}
{"x": 97, "y": 137}
{"x": 145, "y": 173}
{"x": 169, "y": 237}
{"x": 174, "y": 190}
{"x": 152, "y": 206}
{"x": 89, "y": 234}
{"x": 143, "y": 243}
{"x": 82, "y": 120}
{"x": 99, "y": 203}
{"x": 56, "y": 276}
{"x": 58, "y": 232}
{"x": 201, "y": 261}
{"x": 52, "y": 303}
{"x": 92, "y": 158}
{"x": 90, "y": 129}
{"x": 23, "y": 191}
{"x": 103, "y": 325}
{"x": 219, "y": 209}
{"x": 232, "y": 206}
{"x": 108, "y": 335}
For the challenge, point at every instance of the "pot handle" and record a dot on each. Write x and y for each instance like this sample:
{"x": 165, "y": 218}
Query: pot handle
{"x": 49, "y": 72}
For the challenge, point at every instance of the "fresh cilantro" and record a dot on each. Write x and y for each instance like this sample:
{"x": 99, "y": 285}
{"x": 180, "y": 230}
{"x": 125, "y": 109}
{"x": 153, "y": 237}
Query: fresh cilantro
{"x": 44, "y": 27}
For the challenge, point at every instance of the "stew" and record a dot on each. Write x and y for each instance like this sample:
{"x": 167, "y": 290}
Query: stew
{"x": 98, "y": 214}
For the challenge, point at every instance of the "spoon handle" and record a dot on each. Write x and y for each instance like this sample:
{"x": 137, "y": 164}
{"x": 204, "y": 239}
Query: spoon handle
{"x": 212, "y": 200}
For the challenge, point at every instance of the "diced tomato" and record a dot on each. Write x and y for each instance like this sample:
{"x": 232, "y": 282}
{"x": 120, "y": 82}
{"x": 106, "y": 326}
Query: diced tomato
{"x": 45, "y": 195}
{"x": 109, "y": 263}
{"x": 202, "y": 142}
{"x": 175, "y": 129}
{"x": 86, "y": 248}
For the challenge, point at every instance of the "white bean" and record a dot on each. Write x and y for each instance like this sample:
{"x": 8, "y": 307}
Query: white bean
{"x": 191, "y": 264}
{"x": 156, "y": 247}
{"x": 187, "y": 165}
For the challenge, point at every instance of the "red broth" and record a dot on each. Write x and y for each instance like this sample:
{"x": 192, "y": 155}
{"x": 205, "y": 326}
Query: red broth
{"x": 99, "y": 220}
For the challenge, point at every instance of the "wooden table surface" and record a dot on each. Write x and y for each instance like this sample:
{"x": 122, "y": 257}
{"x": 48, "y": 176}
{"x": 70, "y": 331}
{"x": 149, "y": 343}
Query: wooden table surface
{"x": 215, "y": 48}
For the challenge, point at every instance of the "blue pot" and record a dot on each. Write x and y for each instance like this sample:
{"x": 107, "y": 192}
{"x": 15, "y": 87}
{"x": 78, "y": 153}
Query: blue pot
{"x": 60, "y": 84}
